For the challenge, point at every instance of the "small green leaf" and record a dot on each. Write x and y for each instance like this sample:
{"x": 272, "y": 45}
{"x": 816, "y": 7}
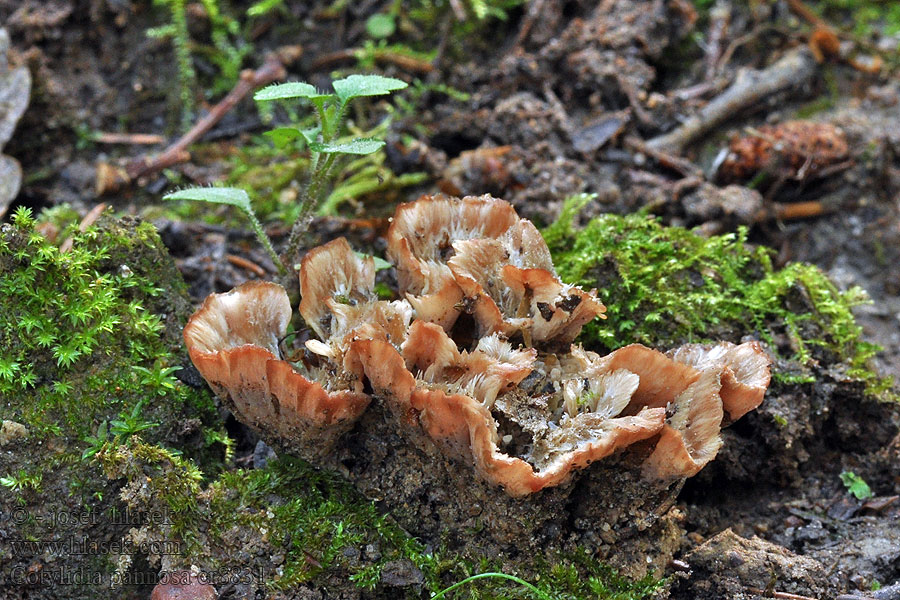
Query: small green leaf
{"x": 216, "y": 195}
{"x": 310, "y": 135}
{"x": 380, "y": 263}
{"x": 290, "y": 90}
{"x": 355, "y": 86}
{"x": 856, "y": 485}
{"x": 357, "y": 146}
{"x": 381, "y": 25}
{"x": 282, "y": 136}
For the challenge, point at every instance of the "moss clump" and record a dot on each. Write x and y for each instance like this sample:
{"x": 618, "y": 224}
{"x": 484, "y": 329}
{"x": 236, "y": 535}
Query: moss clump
{"x": 288, "y": 524}
{"x": 89, "y": 328}
{"x": 666, "y": 285}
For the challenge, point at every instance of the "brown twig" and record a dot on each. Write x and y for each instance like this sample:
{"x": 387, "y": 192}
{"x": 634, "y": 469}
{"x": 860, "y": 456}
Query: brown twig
{"x": 670, "y": 161}
{"x": 128, "y": 138}
{"x": 747, "y": 37}
{"x": 780, "y": 595}
{"x": 748, "y": 90}
{"x": 272, "y": 70}
{"x": 244, "y": 263}
{"x": 798, "y": 210}
{"x": 398, "y": 59}
{"x": 458, "y": 10}
{"x": 719, "y": 17}
{"x": 805, "y": 13}
{"x": 89, "y": 219}
{"x": 638, "y": 109}
{"x": 531, "y": 16}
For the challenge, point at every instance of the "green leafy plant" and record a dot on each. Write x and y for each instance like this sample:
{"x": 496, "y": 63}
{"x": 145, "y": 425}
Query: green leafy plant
{"x": 856, "y": 485}
{"x": 158, "y": 378}
{"x": 227, "y": 51}
{"x": 177, "y": 31}
{"x": 325, "y": 142}
{"x": 96, "y": 442}
{"x": 130, "y": 423}
{"x": 322, "y": 140}
{"x": 229, "y": 46}
{"x": 22, "y": 481}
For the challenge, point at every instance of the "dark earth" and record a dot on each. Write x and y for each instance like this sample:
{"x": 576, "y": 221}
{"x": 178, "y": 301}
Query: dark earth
{"x": 558, "y": 98}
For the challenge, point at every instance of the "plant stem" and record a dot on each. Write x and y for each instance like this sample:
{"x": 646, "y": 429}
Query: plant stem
{"x": 521, "y": 582}
{"x": 267, "y": 244}
{"x": 310, "y": 200}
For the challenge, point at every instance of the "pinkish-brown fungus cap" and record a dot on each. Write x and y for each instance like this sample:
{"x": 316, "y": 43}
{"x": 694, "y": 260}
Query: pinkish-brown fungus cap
{"x": 420, "y": 240}
{"x": 233, "y": 341}
{"x": 518, "y": 403}
{"x": 745, "y": 375}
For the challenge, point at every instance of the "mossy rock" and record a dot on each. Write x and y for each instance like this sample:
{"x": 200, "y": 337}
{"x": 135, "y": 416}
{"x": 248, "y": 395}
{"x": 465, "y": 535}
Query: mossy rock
{"x": 90, "y": 339}
{"x": 664, "y": 286}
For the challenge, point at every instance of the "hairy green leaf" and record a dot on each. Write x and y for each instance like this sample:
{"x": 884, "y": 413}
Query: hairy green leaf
{"x": 217, "y": 195}
{"x": 290, "y": 90}
{"x": 282, "y": 136}
{"x": 355, "y": 86}
{"x": 357, "y": 146}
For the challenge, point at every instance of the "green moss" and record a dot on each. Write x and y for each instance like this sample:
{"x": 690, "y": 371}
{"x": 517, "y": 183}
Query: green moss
{"x": 666, "y": 285}
{"x": 864, "y": 17}
{"x": 82, "y": 338}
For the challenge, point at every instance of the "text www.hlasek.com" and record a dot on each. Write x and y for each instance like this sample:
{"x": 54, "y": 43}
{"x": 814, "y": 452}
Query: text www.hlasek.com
{"x": 84, "y": 546}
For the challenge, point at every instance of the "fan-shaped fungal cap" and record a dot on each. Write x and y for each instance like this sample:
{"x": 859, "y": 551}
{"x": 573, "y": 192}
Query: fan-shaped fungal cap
{"x": 466, "y": 429}
{"x": 233, "y": 341}
{"x": 745, "y": 377}
{"x": 332, "y": 276}
{"x": 421, "y": 235}
{"x": 483, "y": 373}
{"x": 690, "y": 438}
{"x": 456, "y": 391}
{"x": 475, "y": 254}
{"x": 420, "y": 240}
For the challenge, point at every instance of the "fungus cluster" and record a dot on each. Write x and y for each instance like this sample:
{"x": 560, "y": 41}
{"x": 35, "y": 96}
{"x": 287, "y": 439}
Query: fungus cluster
{"x": 477, "y": 356}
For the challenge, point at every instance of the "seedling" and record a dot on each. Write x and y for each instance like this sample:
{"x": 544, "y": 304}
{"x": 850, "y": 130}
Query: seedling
{"x": 131, "y": 423}
{"x": 21, "y": 481}
{"x": 856, "y": 485}
{"x": 324, "y": 142}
